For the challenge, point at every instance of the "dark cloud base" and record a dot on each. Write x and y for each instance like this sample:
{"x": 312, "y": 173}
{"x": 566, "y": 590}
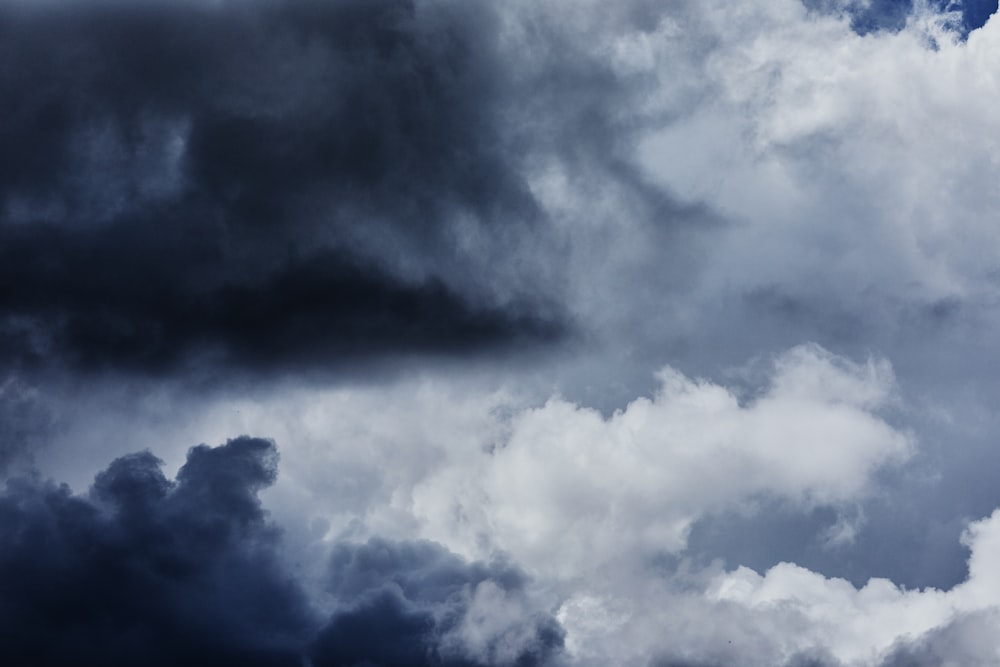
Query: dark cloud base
{"x": 145, "y": 570}
{"x": 95, "y": 301}
{"x": 238, "y": 183}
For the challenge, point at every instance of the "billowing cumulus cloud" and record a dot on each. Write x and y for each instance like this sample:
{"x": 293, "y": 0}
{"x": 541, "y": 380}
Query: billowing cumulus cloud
{"x": 646, "y": 333}
{"x": 571, "y": 492}
{"x": 148, "y": 569}
{"x": 860, "y": 625}
{"x": 163, "y": 571}
{"x": 418, "y": 604}
{"x": 791, "y": 616}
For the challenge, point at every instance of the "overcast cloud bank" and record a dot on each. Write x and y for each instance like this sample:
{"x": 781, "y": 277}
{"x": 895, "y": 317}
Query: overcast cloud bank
{"x": 653, "y": 333}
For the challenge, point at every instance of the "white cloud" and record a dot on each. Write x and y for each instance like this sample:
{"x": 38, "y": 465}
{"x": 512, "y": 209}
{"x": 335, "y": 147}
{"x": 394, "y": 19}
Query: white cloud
{"x": 873, "y": 157}
{"x": 571, "y": 492}
{"x": 859, "y": 626}
{"x": 741, "y": 617}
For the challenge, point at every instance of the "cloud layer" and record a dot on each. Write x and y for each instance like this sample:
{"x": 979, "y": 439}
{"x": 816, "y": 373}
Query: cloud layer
{"x": 652, "y": 334}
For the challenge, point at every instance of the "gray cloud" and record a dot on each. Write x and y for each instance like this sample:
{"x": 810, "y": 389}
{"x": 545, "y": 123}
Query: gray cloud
{"x": 969, "y": 639}
{"x": 147, "y": 569}
{"x": 440, "y": 250}
{"x": 417, "y": 604}
{"x": 244, "y": 183}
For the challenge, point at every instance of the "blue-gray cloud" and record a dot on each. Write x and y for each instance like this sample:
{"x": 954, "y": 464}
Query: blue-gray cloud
{"x": 238, "y": 184}
{"x": 148, "y": 570}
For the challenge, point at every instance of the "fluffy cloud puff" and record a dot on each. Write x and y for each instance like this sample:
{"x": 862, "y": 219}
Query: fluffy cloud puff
{"x": 861, "y": 626}
{"x": 788, "y": 616}
{"x": 569, "y": 491}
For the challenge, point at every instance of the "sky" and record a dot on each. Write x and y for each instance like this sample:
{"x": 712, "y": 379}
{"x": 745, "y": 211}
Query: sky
{"x": 457, "y": 333}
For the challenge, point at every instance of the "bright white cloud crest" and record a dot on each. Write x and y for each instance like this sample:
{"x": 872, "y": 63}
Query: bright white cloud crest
{"x": 860, "y": 625}
{"x": 570, "y": 492}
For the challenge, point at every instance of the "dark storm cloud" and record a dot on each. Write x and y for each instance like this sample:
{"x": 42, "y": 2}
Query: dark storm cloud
{"x": 114, "y": 297}
{"x": 259, "y": 181}
{"x": 410, "y": 598}
{"x": 272, "y": 102}
{"x": 145, "y": 570}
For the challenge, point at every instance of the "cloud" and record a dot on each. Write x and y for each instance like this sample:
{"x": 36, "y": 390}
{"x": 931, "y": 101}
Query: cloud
{"x": 855, "y": 172}
{"x": 193, "y": 570}
{"x": 418, "y": 604}
{"x": 970, "y": 639}
{"x": 595, "y": 508}
{"x": 860, "y": 625}
{"x": 251, "y": 185}
{"x": 401, "y": 176}
{"x": 132, "y": 313}
{"x": 570, "y": 492}
{"x": 845, "y": 165}
{"x": 856, "y": 139}
{"x": 145, "y": 569}
{"x": 788, "y": 616}
{"x": 478, "y": 467}
{"x": 26, "y": 421}
{"x": 149, "y": 570}
{"x": 436, "y": 249}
